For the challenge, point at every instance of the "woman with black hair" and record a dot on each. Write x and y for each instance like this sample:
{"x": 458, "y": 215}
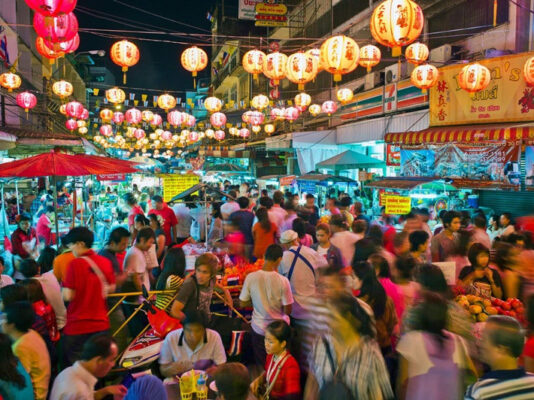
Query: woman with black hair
{"x": 507, "y": 225}
{"x": 349, "y": 352}
{"x": 15, "y": 382}
{"x": 478, "y": 278}
{"x": 299, "y": 226}
{"x": 171, "y": 277}
{"x": 216, "y": 231}
{"x": 431, "y": 359}
{"x": 281, "y": 379}
{"x": 155, "y": 224}
{"x": 373, "y": 293}
{"x": 264, "y": 233}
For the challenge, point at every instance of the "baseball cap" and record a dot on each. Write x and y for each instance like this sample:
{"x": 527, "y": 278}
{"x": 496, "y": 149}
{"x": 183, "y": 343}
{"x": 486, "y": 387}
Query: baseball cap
{"x": 288, "y": 236}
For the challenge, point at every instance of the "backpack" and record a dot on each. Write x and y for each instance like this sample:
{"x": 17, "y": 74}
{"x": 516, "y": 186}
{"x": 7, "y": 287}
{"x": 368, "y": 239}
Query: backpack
{"x": 335, "y": 388}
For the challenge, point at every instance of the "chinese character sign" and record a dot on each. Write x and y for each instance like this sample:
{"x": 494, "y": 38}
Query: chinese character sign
{"x": 506, "y": 99}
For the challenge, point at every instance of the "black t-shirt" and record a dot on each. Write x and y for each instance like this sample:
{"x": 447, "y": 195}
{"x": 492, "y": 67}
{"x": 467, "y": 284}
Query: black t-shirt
{"x": 482, "y": 285}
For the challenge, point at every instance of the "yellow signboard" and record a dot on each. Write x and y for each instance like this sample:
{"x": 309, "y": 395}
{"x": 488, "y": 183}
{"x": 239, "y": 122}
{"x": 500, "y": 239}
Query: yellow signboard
{"x": 176, "y": 184}
{"x": 270, "y": 23}
{"x": 271, "y": 9}
{"x": 506, "y": 99}
{"x": 398, "y": 205}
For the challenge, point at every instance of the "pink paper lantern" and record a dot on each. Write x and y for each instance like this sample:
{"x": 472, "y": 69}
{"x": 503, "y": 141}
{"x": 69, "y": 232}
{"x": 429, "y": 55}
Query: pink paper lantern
{"x": 156, "y": 120}
{"x": 176, "y": 118}
{"x": 219, "y": 135}
{"x": 60, "y": 28}
{"x": 277, "y": 114}
{"x": 133, "y": 116}
{"x": 106, "y": 130}
{"x": 51, "y": 8}
{"x": 244, "y": 133}
{"x": 74, "y": 109}
{"x": 329, "y": 107}
{"x": 118, "y": 117}
{"x": 291, "y": 113}
{"x": 71, "y": 124}
{"x": 256, "y": 118}
{"x": 85, "y": 114}
{"x": 26, "y": 100}
{"x": 166, "y": 135}
{"x": 139, "y": 134}
{"x": 193, "y": 136}
{"x": 191, "y": 121}
{"x": 218, "y": 119}
{"x": 246, "y": 116}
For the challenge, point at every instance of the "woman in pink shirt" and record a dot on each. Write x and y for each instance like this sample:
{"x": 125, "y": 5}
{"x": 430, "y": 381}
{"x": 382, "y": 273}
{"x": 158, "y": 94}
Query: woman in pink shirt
{"x": 381, "y": 266}
{"x": 299, "y": 226}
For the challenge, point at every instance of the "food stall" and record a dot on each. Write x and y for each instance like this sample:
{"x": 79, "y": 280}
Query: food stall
{"x": 324, "y": 186}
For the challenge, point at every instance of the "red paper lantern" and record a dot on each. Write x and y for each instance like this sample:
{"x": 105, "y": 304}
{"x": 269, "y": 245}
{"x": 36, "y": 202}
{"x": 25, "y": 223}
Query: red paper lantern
{"x": 118, "y": 117}
{"x": 52, "y": 8}
{"x": 329, "y": 107}
{"x": 244, "y": 133}
{"x": 85, "y": 114}
{"x": 277, "y": 114}
{"x": 60, "y": 28}
{"x": 139, "y": 134}
{"x": 71, "y": 124}
{"x": 106, "y": 114}
{"x": 46, "y": 51}
{"x": 68, "y": 46}
{"x": 291, "y": 114}
{"x": 474, "y": 78}
{"x": 176, "y": 118}
{"x": 106, "y": 130}
{"x": 425, "y": 76}
{"x": 256, "y": 118}
{"x": 74, "y": 109}
{"x": 218, "y": 119}
{"x": 26, "y": 100}
{"x": 133, "y": 116}
{"x": 156, "y": 120}
{"x": 246, "y": 116}
{"x": 125, "y": 54}
{"x": 219, "y": 134}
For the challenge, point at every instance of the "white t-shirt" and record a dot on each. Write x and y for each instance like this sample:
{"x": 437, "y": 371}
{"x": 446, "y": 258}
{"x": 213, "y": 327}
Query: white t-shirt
{"x": 277, "y": 215}
{"x": 345, "y": 242}
{"x": 303, "y": 279}
{"x": 228, "y": 208}
{"x": 52, "y": 292}
{"x": 212, "y": 350}
{"x": 136, "y": 262}
{"x": 323, "y": 251}
{"x": 6, "y": 280}
{"x": 269, "y": 292}
{"x": 74, "y": 383}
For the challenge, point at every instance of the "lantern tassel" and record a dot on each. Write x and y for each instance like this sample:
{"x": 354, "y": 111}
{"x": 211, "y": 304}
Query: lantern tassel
{"x": 494, "y": 12}
{"x": 396, "y": 51}
{"x": 124, "y": 78}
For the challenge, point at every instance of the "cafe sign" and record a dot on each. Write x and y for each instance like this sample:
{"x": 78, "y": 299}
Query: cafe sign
{"x": 506, "y": 99}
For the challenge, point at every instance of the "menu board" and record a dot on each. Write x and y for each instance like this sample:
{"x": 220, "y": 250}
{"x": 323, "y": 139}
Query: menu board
{"x": 174, "y": 184}
{"x": 398, "y": 205}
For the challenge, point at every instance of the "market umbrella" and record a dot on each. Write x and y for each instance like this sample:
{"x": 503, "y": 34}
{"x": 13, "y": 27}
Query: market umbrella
{"x": 55, "y": 163}
{"x": 350, "y": 160}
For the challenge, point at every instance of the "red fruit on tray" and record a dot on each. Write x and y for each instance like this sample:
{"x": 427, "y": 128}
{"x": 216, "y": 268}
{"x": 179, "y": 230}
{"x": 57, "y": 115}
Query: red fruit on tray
{"x": 497, "y": 302}
{"x": 506, "y": 306}
{"x": 512, "y": 314}
{"x": 520, "y": 310}
{"x": 515, "y": 303}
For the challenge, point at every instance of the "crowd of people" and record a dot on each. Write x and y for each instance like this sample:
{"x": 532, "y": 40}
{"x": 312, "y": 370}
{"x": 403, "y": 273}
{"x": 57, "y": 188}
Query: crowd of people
{"x": 345, "y": 305}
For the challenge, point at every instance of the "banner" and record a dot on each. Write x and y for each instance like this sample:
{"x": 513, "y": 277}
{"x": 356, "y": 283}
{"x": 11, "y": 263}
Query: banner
{"x": 506, "y": 99}
{"x": 393, "y": 158}
{"x": 111, "y": 177}
{"x": 398, "y": 205}
{"x": 287, "y": 180}
{"x": 176, "y": 184}
{"x": 247, "y": 9}
{"x": 308, "y": 187}
{"x": 495, "y": 164}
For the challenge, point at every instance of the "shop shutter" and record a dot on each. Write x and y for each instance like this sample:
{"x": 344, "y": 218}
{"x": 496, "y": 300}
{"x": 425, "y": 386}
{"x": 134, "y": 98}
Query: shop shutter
{"x": 517, "y": 203}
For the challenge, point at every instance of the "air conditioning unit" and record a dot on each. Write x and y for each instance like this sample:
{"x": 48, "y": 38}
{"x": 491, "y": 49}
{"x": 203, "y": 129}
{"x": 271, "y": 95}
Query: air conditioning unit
{"x": 395, "y": 73}
{"x": 372, "y": 79}
{"x": 441, "y": 54}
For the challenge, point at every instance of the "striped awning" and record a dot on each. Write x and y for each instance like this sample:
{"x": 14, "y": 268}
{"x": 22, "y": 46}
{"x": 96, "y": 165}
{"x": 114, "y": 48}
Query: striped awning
{"x": 462, "y": 134}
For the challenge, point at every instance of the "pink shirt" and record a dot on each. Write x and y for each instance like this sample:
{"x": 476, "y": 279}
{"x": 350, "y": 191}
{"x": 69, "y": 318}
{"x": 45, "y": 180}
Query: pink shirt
{"x": 43, "y": 229}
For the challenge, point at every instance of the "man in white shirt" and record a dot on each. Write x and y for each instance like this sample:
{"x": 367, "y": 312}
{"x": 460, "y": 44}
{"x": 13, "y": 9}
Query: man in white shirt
{"x": 269, "y": 294}
{"x": 78, "y": 381}
{"x": 184, "y": 221}
{"x": 343, "y": 239}
{"x": 276, "y": 213}
{"x": 479, "y": 234}
{"x": 230, "y": 206}
{"x": 192, "y": 347}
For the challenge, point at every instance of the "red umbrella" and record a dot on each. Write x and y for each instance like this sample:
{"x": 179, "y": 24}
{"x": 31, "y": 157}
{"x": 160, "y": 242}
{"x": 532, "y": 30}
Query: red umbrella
{"x": 55, "y": 163}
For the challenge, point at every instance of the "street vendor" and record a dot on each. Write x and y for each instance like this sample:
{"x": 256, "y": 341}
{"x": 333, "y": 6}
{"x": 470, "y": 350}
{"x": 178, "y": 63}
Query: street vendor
{"x": 24, "y": 241}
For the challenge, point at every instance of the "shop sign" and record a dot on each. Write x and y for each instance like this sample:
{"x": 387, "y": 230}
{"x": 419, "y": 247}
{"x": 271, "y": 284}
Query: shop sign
{"x": 393, "y": 155}
{"x": 176, "y": 184}
{"x": 287, "y": 180}
{"x": 307, "y": 186}
{"x": 271, "y": 14}
{"x": 409, "y": 96}
{"x": 496, "y": 165}
{"x": 529, "y": 167}
{"x": 247, "y": 9}
{"x": 271, "y": 9}
{"x": 271, "y": 20}
{"x": 111, "y": 177}
{"x": 365, "y": 104}
{"x": 506, "y": 99}
{"x": 390, "y": 97}
{"x": 398, "y": 205}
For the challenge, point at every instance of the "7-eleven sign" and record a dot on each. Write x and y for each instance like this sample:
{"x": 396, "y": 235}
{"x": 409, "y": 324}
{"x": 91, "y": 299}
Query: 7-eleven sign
{"x": 390, "y": 97}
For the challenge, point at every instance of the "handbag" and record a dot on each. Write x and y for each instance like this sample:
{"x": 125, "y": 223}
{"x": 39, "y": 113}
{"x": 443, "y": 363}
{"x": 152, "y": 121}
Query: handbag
{"x": 265, "y": 395}
{"x": 335, "y": 388}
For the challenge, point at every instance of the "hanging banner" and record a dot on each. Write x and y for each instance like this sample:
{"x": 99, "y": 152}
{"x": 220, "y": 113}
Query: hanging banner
{"x": 398, "y": 205}
{"x": 492, "y": 164}
{"x": 506, "y": 99}
{"x": 393, "y": 158}
{"x": 176, "y": 184}
{"x": 287, "y": 180}
{"x": 247, "y": 9}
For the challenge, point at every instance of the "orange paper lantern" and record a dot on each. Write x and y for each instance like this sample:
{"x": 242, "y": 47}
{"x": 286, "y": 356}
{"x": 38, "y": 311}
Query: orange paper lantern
{"x": 474, "y": 78}
{"x": 260, "y": 102}
{"x": 193, "y": 60}
{"x": 314, "y": 109}
{"x": 125, "y": 54}
{"x": 46, "y": 51}
{"x": 369, "y": 56}
{"x": 62, "y": 89}
{"x": 115, "y": 95}
{"x": 396, "y": 23}
{"x": 301, "y": 68}
{"x": 340, "y": 55}
{"x": 425, "y": 76}
{"x": 166, "y": 102}
{"x": 416, "y": 53}
{"x": 528, "y": 71}
{"x": 253, "y": 62}
{"x": 106, "y": 114}
{"x": 212, "y": 104}
{"x": 10, "y": 81}
{"x": 274, "y": 66}
{"x": 344, "y": 95}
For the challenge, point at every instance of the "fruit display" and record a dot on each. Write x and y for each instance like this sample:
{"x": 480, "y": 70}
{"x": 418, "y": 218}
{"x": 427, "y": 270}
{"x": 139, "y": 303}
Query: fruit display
{"x": 236, "y": 275}
{"x": 481, "y": 308}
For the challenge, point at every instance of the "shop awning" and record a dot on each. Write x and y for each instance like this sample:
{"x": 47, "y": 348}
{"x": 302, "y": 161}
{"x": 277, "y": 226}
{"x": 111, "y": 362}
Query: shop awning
{"x": 435, "y": 183}
{"x": 350, "y": 160}
{"x": 462, "y": 134}
{"x": 324, "y": 177}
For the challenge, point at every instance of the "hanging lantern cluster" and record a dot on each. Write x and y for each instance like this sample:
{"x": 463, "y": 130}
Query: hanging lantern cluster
{"x": 125, "y": 54}
{"x": 194, "y": 60}
{"x": 396, "y": 23}
{"x": 474, "y": 78}
{"x": 340, "y": 55}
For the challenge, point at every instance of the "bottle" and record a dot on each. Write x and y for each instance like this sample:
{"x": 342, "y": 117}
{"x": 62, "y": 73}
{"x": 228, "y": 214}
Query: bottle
{"x": 202, "y": 388}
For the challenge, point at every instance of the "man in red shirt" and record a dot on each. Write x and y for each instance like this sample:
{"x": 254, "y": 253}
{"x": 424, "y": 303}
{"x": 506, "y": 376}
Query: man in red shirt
{"x": 170, "y": 222}
{"x": 44, "y": 226}
{"x": 88, "y": 280}
{"x": 24, "y": 239}
{"x": 135, "y": 209}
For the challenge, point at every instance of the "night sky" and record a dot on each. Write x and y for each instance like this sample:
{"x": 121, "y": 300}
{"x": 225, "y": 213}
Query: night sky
{"x": 159, "y": 65}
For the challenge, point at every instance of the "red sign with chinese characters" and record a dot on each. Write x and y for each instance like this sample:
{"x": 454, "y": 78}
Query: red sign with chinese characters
{"x": 393, "y": 155}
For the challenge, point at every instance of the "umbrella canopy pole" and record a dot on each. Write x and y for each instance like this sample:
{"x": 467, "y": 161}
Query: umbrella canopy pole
{"x": 4, "y": 214}
{"x": 55, "y": 210}
{"x": 206, "y": 220}
{"x": 17, "y": 194}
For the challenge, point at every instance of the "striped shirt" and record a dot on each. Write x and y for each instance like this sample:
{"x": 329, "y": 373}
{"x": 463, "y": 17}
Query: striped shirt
{"x": 513, "y": 384}
{"x": 163, "y": 300}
